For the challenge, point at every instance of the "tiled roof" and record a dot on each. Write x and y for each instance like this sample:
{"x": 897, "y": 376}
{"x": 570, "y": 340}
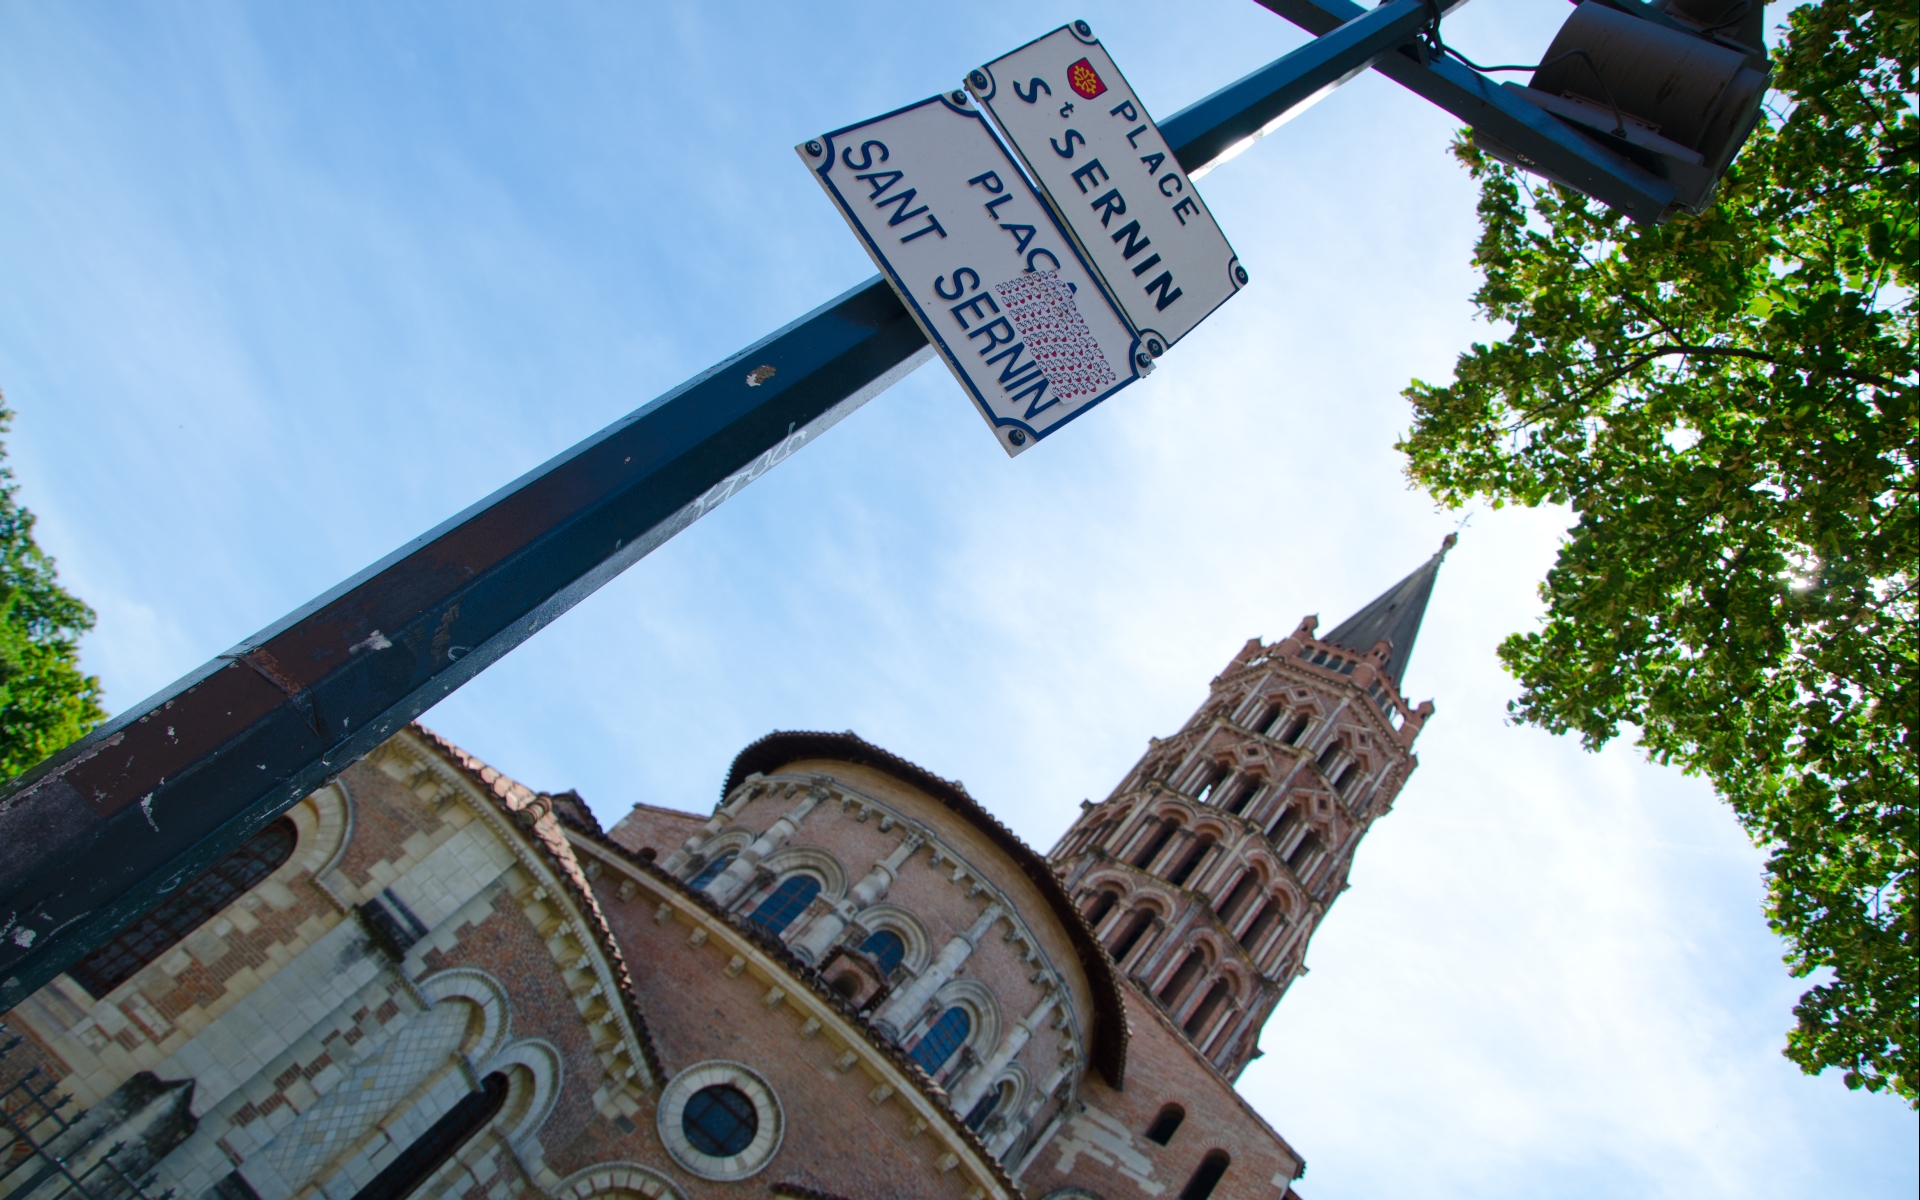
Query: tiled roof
{"x": 537, "y": 817}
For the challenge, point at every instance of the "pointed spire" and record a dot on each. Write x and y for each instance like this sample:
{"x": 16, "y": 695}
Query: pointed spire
{"x": 1394, "y": 616}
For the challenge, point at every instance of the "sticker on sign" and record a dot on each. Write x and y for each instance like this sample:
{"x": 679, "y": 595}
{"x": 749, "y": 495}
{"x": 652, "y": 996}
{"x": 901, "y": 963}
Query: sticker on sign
{"x": 1090, "y": 144}
{"x": 980, "y": 261}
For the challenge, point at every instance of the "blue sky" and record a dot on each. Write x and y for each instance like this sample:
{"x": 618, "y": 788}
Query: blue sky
{"x": 285, "y": 285}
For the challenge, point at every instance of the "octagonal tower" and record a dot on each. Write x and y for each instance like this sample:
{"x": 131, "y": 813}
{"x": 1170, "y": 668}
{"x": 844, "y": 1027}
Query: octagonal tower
{"x": 1207, "y": 870}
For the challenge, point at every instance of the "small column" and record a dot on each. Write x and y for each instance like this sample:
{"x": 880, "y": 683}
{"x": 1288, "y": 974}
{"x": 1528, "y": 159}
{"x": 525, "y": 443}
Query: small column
{"x": 749, "y": 787}
{"x": 1010, "y": 1045}
{"x": 727, "y": 886}
{"x": 1003, "y": 1141}
{"x": 827, "y": 927}
{"x": 900, "y": 1013}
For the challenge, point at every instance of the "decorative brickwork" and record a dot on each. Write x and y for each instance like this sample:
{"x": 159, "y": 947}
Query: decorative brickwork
{"x": 850, "y": 982}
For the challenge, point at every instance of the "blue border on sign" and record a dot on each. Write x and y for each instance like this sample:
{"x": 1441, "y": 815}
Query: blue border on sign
{"x": 906, "y": 295}
{"x": 986, "y": 97}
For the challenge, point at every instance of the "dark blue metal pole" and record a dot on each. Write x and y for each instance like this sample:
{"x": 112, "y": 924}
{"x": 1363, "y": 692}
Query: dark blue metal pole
{"x": 1547, "y": 143}
{"x": 1250, "y": 107}
{"x": 101, "y": 831}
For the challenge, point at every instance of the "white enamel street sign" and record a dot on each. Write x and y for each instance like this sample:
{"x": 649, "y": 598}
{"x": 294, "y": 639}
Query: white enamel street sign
{"x": 1090, "y": 144}
{"x": 982, "y": 264}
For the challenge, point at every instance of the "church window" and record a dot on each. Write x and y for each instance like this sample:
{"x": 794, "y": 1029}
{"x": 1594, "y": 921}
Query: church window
{"x": 185, "y": 910}
{"x": 1209, "y": 781}
{"x": 1101, "y": 907}
{"x": 1292, "y": 736}
{"x": 785, "y": 903}
{"x": 1191, "y": 862}
{"x": 1346, "y": 777}
{"x": 1183, "y": 978}
{"x": 1204, "y": 1011}
{"x": 1166, "y": 1124}
{"x": 712, "y": 870}
{"x": 720, "y": 1120}
{"x": 1142, "y": 921}
{"x": 886, "y": 949}
{"x": 983, "y": 1108}
{"x": 1288, "y": 821}
{"x": 1247, "y": 790}
{"x": 1249, "y": 882}
{"x": 430, "y": 1151}
{"x": 941, "y": 1039}
{"x": 1206, "y": 1177}
{"x": 1269, "y": 717}
{"x": 1328, "y": 756}
{"x": 1260, "y": 925}
{"x": 1156, "y": 843}
{"x": 1308, "y": 847}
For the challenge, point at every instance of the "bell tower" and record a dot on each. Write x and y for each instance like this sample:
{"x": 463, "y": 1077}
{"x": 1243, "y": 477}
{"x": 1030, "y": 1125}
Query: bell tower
{"x": 1206, "y": 871}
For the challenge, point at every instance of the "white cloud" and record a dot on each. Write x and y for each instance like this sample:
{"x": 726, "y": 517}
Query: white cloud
{"x": 288, "y": 286}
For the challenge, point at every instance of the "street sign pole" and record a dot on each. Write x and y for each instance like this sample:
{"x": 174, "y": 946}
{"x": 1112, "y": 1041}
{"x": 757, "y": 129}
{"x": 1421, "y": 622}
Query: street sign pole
{"x": 102, "y": 830}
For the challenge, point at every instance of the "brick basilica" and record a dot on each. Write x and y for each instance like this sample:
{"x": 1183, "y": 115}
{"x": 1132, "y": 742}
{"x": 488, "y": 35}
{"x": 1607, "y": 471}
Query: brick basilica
{"x": 849, "y": 983}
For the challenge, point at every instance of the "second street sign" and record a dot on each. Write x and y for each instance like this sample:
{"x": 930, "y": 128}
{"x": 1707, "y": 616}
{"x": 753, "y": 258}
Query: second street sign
{"x": 979, "y": 260}
{"x": 1090, "y": 144}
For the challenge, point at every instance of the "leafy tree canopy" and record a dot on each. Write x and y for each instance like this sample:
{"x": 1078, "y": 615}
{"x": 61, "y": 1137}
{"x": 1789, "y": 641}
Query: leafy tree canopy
{"x": 1727, "y": 403}
{"x": 45, "y": 702}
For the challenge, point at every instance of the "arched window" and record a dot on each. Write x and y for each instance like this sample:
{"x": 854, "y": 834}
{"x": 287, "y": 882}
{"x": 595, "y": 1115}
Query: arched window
{"x": 1206, "y": 1176}
{"x": 886, "y": 948}
{"x": 433, "y": 1148}
{"x": 1142, "y": 921}
{"x": 1248, "y": 789}
{"x": 1102, "y": 905}
{"x": 1308, "y": 847}
{"x": 712, "y": 870}
{"x": 941, "y": 1039}
{"x": 1258, "y": 927}
{"x": 1183, "y": 978}
{"x": 785, "y": 903}
{"x": 1191, "y": 862}
{"x": 1204, "y": 1011}
{"x": 984, "y": 1108}
{"x": 1166, "y": 1124}
{"x": 1157, "y": 842}
{"x": 186, "y": 910}
{"x": 1249, "y": 883}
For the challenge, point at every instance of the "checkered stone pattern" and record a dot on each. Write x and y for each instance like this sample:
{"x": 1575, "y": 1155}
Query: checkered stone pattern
{"x": 338, "y": 1123}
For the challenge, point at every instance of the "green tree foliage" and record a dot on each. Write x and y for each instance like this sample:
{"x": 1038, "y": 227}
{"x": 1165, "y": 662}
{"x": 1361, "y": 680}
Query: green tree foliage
{"x": 1727, "y": 403}
{"x": 45, "y": 702}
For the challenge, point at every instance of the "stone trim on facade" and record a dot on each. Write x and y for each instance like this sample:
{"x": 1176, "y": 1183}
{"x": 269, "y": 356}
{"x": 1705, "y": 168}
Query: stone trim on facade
{"x": 712, "y": 921}
{"x": 1108, "y": 1054}
{"x": 535, "y": 823}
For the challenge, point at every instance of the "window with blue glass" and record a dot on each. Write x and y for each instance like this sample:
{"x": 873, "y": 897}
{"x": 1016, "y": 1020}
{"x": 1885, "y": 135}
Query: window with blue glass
{"x": 941, "y": 1039}
{"x": 985, "y": 1107}
{"x": 886, "y": 949}
{"x": 720, "y": 1120}
{"x": 712, "y": 870}
{"x": 785, "y": 903}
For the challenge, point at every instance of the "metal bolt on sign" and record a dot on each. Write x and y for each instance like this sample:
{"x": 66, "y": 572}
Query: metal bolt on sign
{"x": 101, "y": 831}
